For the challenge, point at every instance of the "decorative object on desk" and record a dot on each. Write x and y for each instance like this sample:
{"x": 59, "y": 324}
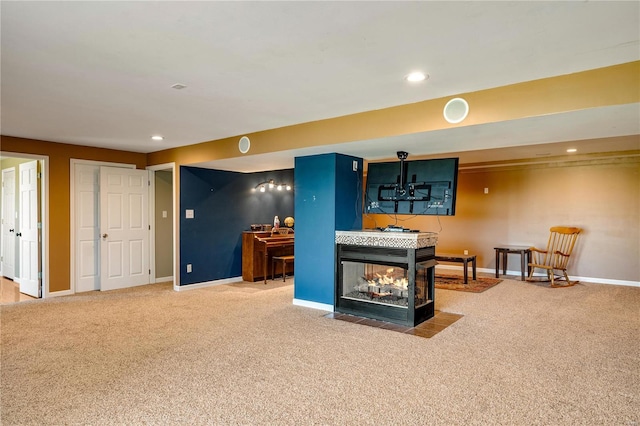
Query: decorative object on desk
{"x": 269, "y": 185}
{"x": 456, "y": 282}
{"x": 288, "y": 222}
{"x": 276, "y": 222}
{"x": 562, "y": 239}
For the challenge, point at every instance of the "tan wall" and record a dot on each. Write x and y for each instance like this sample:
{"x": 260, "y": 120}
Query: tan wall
{"x": 164, "y": 225}
{"x": 60, "y": 156}
{"x": 600, "y": 196}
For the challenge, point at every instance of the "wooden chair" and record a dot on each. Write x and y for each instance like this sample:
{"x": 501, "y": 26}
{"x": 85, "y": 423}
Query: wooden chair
{"x": 556, "y": 256}
{"x": 281, "y": 231}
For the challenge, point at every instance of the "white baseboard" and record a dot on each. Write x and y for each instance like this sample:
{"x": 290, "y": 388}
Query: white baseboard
{"x": 606, "y": 281}
{"x": 313, "y": 305}
{"x": 207, "y": 284}
{"x": 163, "y": 279}
{"x": 540, "y": 274}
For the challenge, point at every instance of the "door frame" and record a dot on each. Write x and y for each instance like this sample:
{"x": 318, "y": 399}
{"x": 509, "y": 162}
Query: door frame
{"x": 176, "y": 219}
{"x": 72, "y": 213}
{"x": 3, "y": 226}
{"x": 44, "y": 211}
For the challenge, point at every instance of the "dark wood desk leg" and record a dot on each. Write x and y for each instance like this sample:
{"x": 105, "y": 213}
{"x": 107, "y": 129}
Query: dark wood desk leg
{"x": 504, "y": 262}
{"x": 266, "y": 260}
{"x": 473, "y": 266}
{"x": 522, "y": 259}
{"x": 466, "y": 272}
{"x": 284, "y": 268}
{"x": 497, "y": 263}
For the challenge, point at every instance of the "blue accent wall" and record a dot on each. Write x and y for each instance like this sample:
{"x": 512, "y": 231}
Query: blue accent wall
{"x": 224, "y": 206}
{"x": 328, "y": 197}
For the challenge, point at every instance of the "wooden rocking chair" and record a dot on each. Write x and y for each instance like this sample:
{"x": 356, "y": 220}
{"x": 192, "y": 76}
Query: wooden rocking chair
{"x": 556, "y": 256}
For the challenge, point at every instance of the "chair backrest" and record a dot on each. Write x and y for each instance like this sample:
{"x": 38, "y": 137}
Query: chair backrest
{"x": 281, "y": 231}
{"x": 561, "y": 242}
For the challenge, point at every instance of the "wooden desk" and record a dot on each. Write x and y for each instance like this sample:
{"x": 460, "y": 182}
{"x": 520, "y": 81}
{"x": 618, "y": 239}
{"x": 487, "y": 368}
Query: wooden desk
{"x": 273, "y": 246}
{"x": 460, "y": 258}
{"x": 504, "y": 250}
{"x": 256, "y": 253}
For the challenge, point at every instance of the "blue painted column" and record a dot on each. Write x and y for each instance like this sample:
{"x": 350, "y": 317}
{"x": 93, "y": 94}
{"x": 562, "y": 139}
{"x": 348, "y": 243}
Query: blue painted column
{"x": 328, "y": 197}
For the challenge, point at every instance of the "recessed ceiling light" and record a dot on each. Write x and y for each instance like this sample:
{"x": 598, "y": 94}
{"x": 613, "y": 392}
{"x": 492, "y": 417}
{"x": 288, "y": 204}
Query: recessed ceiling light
{"x": 416, "y": 76}
{"x": 179, "y": 86}
{"x": 571, "y": 150}
{"x": 157, "y": 138}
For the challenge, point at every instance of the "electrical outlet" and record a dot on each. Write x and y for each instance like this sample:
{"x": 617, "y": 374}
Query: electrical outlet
{"x": 486, "y": 190}
{"x": 466, "y": 252}
{"x": 189, "y": 269}
{"x": 355, "y": 165}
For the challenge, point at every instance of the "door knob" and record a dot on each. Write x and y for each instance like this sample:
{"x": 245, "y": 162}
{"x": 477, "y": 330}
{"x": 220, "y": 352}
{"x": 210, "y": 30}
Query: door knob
{"x": 12, "y": 230}
{"x": 105, "y": 235}
{"x": 19, "y": 234}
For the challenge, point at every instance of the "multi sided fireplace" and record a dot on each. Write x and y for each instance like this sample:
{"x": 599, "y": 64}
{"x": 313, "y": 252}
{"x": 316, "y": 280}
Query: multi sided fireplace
{"x": 386, "y": 276}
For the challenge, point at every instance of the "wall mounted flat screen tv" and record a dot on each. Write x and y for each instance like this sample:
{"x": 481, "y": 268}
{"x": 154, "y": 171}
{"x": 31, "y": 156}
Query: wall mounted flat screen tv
{"x": 420, "y": 187}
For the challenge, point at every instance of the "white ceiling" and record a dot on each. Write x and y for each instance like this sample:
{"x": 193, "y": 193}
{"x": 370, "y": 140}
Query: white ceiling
{"x": 100, "y": 73}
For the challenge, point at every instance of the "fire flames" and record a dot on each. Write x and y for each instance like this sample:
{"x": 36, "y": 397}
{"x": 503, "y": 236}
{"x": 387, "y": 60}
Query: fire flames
{"x": 388, "y": 284}
{"x": 388, "y": 279}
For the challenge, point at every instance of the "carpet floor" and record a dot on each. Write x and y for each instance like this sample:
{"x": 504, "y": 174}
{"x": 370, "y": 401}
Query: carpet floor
{"x": 522, "y": 354}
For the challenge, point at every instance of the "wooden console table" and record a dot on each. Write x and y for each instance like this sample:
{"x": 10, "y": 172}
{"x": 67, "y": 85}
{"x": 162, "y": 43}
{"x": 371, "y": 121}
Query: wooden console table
{"x": 504, "y": 250}
{"x": 460, "y": 258}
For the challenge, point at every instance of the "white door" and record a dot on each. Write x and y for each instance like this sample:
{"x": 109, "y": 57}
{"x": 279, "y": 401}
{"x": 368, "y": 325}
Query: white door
{"x": 124, "y": 228}
{"x": 9, "y": 222}
{"x": 28, "y": 229}
{"x": 87, "y": 227}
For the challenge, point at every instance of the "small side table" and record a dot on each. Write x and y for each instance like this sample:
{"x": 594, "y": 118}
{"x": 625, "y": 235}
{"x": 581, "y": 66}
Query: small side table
{"x": 503, "y": 251}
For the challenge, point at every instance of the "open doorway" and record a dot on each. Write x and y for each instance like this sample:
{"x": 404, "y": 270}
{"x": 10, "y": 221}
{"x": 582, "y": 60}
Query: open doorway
{"x": 163, "y": 223}
{"x": 24, "y": 227}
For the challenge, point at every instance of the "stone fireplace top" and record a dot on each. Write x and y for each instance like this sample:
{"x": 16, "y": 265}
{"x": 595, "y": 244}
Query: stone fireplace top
{"x": 377, "y": 238}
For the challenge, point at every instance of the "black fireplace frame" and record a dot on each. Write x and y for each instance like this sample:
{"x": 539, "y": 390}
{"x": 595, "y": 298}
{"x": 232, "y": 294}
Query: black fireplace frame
{"x": 407, "y": 258}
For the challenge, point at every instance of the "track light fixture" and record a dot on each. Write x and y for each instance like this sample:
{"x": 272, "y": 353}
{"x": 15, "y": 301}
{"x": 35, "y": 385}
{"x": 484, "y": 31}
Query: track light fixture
{"x": 270, "y": 184}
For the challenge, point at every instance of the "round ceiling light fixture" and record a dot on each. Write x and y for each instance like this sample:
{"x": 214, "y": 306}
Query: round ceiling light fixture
{"x": 416, "y": 77}
{"x": 456, "y": 110}
{"x": 244, "y": 144}
{"x": 157, "y": 138}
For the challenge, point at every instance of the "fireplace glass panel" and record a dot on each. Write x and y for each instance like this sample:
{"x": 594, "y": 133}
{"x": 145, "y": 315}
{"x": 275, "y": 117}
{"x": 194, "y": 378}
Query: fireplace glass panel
{"x": 382, "y": 284}
{"x": 422, "y": 283}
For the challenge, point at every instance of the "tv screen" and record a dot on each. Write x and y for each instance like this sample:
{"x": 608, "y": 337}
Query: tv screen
{"x": 419, "y": 187}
